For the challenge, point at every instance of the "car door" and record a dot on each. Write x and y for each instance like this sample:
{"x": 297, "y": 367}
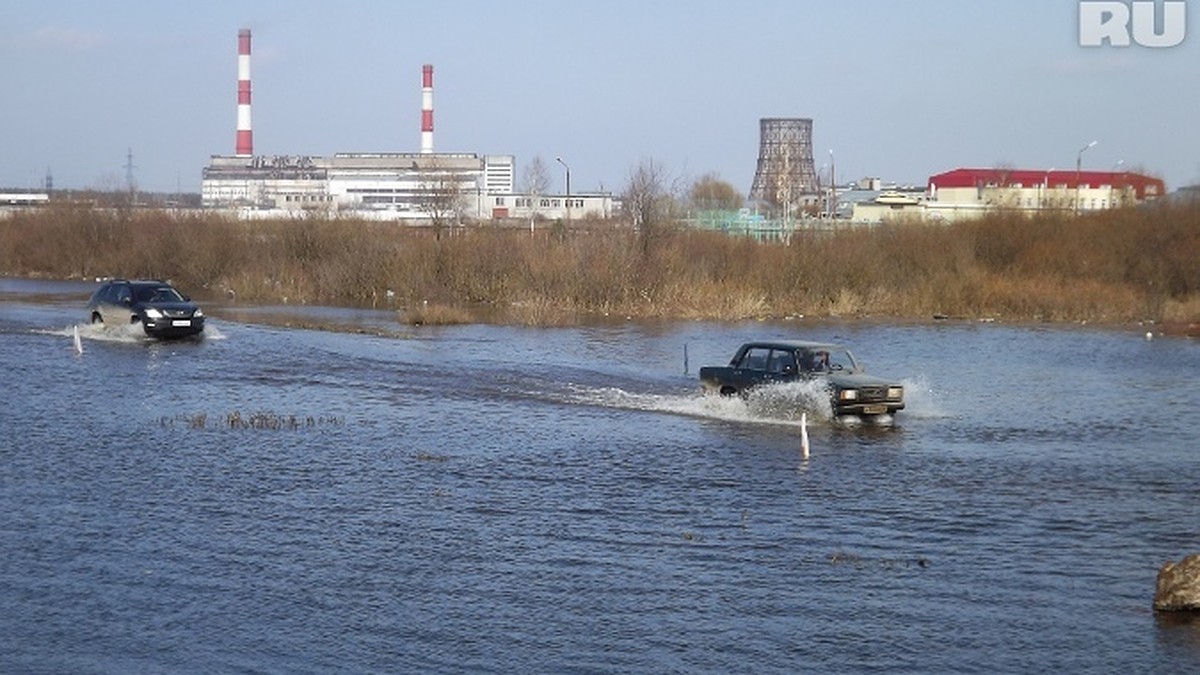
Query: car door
{"x": 781, "y": 366}
{"x": 115, "y": 309}
{"x": 752, "y": 368}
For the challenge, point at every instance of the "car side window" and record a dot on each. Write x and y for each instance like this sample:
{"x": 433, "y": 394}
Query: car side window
{"x": 124, "y": 296}
{"x": 780, "y": 360}
{"x": 816, "y": 361}
{"x": 755, "y": 359}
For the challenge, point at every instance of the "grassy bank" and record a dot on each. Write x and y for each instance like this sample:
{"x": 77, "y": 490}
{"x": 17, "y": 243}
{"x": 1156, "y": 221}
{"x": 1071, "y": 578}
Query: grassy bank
{"x": 1120, "y": 266}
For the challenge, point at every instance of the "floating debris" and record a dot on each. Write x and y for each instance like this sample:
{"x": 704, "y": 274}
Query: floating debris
{"x": 257, "y": 420}
{"x": 846, "y": 558}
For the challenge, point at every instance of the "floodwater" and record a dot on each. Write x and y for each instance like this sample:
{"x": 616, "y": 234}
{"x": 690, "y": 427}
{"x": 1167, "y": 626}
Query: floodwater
{"x": 499, "y": 499}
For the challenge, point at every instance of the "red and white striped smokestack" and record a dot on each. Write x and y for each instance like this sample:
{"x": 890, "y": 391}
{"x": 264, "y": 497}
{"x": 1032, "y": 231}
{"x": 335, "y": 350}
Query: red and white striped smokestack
{"x": 245, "y": 137}
{"x": 427, "y": 109}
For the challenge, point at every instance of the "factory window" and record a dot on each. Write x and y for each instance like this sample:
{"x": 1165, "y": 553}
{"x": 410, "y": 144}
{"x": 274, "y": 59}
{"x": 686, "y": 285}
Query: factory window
{"x": 499, "y": 201}
{"x": 555, "y": 203}
{"x": 545, "y": 202}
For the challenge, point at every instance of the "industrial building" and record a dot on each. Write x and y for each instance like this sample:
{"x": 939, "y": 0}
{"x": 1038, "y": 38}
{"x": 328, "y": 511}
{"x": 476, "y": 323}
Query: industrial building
{"x": 969, "y": 193}
{"x": 424, "y": 186}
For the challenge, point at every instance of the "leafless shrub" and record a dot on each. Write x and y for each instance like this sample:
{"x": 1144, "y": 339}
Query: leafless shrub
{"x": 1123, "y": 265}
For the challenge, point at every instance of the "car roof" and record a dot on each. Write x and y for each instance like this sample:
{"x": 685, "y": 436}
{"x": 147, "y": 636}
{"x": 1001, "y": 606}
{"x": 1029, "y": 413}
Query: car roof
{"x": 139, "y": 282}
{"x": 794, "y": 344}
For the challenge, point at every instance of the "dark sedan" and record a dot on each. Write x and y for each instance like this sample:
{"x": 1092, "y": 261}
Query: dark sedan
{"x": 852, "y": 391}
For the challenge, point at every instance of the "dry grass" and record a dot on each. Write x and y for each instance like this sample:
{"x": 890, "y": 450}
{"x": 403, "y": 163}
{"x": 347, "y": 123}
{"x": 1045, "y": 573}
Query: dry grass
{"x": 1120, "y": 266}
{"x": 436, "y": 315}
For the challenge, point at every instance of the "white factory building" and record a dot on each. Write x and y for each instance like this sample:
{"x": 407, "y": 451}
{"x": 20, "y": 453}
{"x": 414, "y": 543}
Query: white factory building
{"x": 414, "y": 186}
{"x": 446, "y": 187}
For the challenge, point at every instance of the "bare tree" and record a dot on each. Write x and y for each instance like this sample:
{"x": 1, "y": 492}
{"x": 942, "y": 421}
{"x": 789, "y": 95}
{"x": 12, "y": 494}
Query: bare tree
{"x": 537, "y": 181}
{"x": 647, "y": 201}
{"x": 1003, "y": 194}
{"x": 442, "y": 196}
{"x": 709, "y": 192}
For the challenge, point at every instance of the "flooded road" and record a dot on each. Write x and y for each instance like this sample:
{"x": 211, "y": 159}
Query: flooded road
{"x": 499, "y": 499}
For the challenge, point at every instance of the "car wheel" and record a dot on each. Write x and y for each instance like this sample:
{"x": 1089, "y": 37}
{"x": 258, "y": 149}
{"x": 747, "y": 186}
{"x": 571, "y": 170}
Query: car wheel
{"x": 96, "y": 318}
{"x": 728, "y": 391}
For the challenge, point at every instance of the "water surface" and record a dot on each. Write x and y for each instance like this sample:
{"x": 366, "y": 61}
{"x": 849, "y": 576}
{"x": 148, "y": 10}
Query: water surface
{"x": 497, "y": 499}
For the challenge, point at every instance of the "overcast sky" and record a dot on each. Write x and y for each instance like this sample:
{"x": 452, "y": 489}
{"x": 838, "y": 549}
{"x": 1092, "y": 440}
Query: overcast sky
{"x": 899, "y": 90}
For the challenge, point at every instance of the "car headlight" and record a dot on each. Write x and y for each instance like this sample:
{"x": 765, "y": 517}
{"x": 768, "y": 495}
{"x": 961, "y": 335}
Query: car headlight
{"x": 848, "y": 395}
{"x": 895, "y": 392}
{"x": 153, "y": 313}
{"x": 198, "y": 313}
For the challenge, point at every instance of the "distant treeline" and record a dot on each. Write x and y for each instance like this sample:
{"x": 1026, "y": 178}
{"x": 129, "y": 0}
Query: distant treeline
{"x": 1116, "y": 266}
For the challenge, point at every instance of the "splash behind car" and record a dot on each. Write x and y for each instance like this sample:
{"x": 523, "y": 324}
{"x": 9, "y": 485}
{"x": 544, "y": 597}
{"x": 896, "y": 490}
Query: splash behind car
{"x": 162, "y": 311}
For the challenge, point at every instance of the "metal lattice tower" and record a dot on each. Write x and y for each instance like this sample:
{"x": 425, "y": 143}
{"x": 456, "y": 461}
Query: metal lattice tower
{"x": 786, "y": 175}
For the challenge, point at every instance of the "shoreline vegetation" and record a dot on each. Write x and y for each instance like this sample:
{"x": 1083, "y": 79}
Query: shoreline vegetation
{"x": 1125, "y": 266}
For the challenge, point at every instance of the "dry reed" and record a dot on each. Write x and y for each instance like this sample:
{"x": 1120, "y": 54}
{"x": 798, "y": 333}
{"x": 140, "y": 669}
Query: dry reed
{"x": 1118, "y": 266}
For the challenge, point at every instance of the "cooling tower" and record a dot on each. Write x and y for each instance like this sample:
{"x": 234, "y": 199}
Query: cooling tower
{"x": 786, "y": 174}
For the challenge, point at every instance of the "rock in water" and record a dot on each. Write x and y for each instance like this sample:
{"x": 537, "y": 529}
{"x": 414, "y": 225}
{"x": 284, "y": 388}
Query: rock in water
{"x": 1179, "y": 586}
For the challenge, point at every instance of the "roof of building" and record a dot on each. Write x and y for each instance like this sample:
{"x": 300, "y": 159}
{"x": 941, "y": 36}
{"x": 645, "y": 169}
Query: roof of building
{"x": 1142, "y": 184}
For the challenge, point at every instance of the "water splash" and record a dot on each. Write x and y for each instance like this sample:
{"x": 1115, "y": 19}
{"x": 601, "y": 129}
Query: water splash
{"x": 922, "y": 399}
{"x": 130, "y": 333}
{"x": 782, "y": 404}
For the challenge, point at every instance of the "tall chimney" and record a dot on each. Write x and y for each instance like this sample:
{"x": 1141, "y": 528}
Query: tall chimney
{"x": 426, "y": 109}
{"x": 245, "y": 137}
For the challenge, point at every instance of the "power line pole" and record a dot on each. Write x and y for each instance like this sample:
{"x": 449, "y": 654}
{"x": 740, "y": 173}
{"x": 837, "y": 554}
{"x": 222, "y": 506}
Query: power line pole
{"x": 129, "y": 167}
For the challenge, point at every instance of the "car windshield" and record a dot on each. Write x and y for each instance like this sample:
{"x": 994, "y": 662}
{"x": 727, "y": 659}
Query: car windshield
{"x": 824, "y": 360}
{"x": 157, "y": 294}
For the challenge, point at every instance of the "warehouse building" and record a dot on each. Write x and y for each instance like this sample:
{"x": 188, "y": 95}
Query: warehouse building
{"x": 969, "y": 193}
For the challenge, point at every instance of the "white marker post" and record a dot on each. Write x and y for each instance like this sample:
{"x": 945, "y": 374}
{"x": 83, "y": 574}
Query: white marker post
{"x": 804, "y": 435}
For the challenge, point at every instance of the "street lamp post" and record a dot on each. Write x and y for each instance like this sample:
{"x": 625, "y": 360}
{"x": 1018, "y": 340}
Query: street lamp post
{"x": 1044, "y": 188}
{"x": 560, "y": 161}
{"x": 1117, "y": 192}
{"x": 1079, "y": 158}
{"x": 1078, "y": 168}
{"x": 832, "y": 187}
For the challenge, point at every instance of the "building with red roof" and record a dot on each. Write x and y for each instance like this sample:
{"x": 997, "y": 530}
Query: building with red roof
{"x": 953, "y": 195}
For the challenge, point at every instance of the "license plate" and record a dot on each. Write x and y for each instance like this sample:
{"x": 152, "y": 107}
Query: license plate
{"x": 874, "y": 409}
{"x": 181, "y": 322}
